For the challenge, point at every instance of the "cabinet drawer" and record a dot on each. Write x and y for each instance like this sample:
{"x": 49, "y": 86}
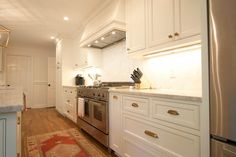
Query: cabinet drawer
{"x": 173, "y": 142}
{"x": 179, "y": 113}
{"x": 71, "y": 103}
{"x": 136, "y": 105}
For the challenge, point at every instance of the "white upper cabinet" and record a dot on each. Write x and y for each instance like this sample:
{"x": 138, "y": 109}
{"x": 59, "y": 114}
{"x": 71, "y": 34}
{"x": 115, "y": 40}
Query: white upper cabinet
{"x": 160, "y": 22}
{"x": 159, "y": 25}
{"x": 187, "y": 18}
{"x": 136, "y": 25}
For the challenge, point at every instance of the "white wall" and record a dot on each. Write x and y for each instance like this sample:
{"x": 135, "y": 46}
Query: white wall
{"x": 180, "y": 71}
{"x": 39, "y": 56}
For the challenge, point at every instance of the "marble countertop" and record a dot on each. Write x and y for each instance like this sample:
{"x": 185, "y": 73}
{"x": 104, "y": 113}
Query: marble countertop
{"x": 11, "y": 100}
{"x": 169, "y": 94}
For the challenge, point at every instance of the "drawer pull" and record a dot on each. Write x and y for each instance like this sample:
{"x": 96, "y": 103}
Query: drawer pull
{"x": 173, "y": 112}
{"x": 115, "y": 97}
{"x": 134, "y": 104}
{"x": 152, "y": 134}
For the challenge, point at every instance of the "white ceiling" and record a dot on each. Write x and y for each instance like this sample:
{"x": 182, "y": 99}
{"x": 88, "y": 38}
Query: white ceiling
{"x": 35, "y": 21}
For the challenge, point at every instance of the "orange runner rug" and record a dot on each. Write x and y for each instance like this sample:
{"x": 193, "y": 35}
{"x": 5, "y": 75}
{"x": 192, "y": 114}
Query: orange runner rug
{"x": 66, "y": 143}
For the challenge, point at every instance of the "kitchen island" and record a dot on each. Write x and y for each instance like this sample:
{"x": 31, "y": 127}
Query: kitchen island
{"x": 11, "y": 104}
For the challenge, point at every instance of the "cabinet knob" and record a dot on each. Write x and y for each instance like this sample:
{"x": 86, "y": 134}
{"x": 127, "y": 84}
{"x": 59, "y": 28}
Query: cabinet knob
{"x": 128, "y": 49}
{"x": 170, "y": 36}
{"x": 176, "y": 34}
{"x": 68, "y": 100}
{"x": 134, "y": 104}
{"x": 173, "y": 112}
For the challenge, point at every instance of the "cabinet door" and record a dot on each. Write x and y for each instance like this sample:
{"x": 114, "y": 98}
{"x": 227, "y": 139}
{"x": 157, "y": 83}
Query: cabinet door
{"x": 136, "y": 25}
{"x": 115, "y": 122}
{"x": 187, "y": 18}
{"x": 160, "y": 22}
{"x": 2, "y": 137}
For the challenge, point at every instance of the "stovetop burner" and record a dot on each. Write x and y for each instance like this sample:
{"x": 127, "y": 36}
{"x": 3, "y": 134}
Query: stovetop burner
{"x": 100, "y": 92}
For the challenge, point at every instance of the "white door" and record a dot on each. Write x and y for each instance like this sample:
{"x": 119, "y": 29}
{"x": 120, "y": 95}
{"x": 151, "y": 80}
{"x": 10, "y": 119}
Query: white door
{"x": 160, "y": 22}
{"x": 136, "y": 25}
{"x": 187, "y": 18}
{"x": 19, "y": 73}
{"x": 51, "y": 81}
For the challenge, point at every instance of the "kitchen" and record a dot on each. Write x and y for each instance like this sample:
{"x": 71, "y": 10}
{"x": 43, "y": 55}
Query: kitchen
{"x": 121, "y": 78}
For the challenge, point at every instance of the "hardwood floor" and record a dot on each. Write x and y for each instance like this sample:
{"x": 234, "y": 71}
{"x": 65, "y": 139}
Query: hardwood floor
{"x": 41, "y": 121}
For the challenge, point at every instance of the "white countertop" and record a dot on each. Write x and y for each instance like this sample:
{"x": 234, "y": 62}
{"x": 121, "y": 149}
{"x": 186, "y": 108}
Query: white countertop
{"x": 11, "y": 99}
{"x": 162, "y": 93}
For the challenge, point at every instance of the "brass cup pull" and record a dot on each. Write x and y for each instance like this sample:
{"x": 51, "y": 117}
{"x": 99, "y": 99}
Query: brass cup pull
{"x": 152, "y": 134}
{"x": 173, "y": 112}
{"x": 115, "y": 97}
{"x": 170, "y": 36}
{"x": 134, "y": 104}
{"x": 176, "y": 34}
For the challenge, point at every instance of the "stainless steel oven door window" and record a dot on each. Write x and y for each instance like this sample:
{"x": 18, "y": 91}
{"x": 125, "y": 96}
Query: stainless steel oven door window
{"x": 87, "y": 111}
{"x": 99, "y": 115}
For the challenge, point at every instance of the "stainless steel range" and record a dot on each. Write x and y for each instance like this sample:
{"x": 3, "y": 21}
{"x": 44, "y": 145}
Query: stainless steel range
{"x": 96, "y": 106}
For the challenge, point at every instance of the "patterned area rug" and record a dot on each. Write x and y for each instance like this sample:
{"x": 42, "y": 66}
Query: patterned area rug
{"x": 66, "y": 143}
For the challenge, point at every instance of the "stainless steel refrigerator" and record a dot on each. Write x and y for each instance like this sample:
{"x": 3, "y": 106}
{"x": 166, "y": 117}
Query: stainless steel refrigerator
{"x": 222, "y": 35}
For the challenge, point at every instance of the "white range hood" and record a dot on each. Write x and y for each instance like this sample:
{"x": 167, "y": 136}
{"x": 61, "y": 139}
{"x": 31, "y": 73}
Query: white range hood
{"x": 105, "y": 28}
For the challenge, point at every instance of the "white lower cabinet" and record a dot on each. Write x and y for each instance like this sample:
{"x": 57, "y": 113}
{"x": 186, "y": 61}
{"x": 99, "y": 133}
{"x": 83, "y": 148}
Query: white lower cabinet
{"x": 152, "y": 127}
{"x": 70, "y": 102}
{"x": 10, "y": 135}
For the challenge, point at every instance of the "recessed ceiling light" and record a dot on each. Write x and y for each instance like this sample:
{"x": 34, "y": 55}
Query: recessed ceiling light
{"x": 102, "y": 38}
{"x": 113, "y": 32}
{"x": 52, "y": 37}
{"x": 89, "y": 45}
{"x": 96, "y": 41}
{"x": 66, "y": 18}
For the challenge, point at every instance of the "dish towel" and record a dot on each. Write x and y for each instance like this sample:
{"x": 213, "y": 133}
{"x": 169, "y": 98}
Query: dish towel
{"x": 81, "y": 107}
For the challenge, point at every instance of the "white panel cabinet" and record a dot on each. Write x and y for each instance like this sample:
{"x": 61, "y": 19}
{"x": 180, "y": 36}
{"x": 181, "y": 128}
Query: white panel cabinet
{"x": 70, "y": 102}
{"x": 8, "y": 135}
{"x": 187, "y": 18}
{"x": 160, "y": 22}
{"x": 136, "y": 25}
{"x": 153, "y": 127}
{"x": 161, "y": 25}
{"x": 1, "y": 58}
{"x": 115, "y": 123}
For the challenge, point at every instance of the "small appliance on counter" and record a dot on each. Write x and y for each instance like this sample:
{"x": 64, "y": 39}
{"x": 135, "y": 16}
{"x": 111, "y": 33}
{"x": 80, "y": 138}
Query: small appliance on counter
{"x": 79, "y": 80}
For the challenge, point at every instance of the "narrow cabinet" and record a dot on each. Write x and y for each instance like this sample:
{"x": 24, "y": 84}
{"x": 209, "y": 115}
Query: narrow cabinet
{"x": 115, "y": 123}
{"x": 160, "y": 22}
{"x": 187, "y": 19}
{"x": 136, "y": 25}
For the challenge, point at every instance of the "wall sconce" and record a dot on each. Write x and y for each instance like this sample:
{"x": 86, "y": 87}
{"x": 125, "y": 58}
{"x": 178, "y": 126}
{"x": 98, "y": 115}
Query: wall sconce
{"x": 4, "y": 36}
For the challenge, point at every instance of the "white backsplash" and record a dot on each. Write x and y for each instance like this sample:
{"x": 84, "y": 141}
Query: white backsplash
{"x": 180, "y": 71}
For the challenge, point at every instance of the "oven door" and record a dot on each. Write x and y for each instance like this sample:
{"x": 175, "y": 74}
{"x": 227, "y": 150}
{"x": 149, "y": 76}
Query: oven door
{"x": 99, "y": 115}
{"x": 87, "y": 111}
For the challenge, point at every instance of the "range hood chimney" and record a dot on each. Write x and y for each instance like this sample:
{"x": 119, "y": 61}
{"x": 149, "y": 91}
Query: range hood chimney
{"x": 105, "y": 28}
